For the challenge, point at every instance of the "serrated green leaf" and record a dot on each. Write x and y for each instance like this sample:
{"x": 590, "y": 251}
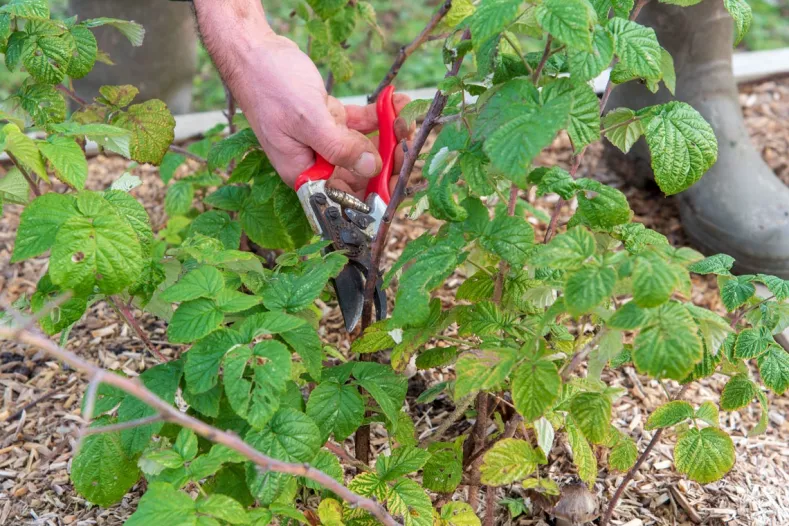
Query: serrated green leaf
{"x": 67, "y": 158}
{"x": 130, "y": 29}
{"x": 774, "y": 369}
{"x": 30, "y": 9}
{"x": 336, "y": 408}
{"x": 752, "y": 343}
{"x": 294, "y": 293}
{"x": 152, "y": 128}
{"x": 46, "y": 105}
{"x": 14, "y": 188}
{"x": 682, "y": 145}
{"x": 588, "y": 287}
{"x": 736, "y": 291}
{"x": 329, "y": 464}
{"x": 623, "y": 455}
{"x": 402, "y": 461}
{"x": 637, "y": 47}
{"x": 112, "y": 138}
{"x": 481, "y": 370}
{"x": 40, "y": 222}
{"x": 654, "y": 280}
{"x": 223, "y": 508}
{"x": 569, "y": 21}
{"x": 669, "y": 347}
{"x": 290, "y": 436}
{"x": 24, "y": 149}
{"x": 592, "y": 414}
{"x": 742, "y": 15}
{"x": 708, "y": 412}
{"x": 628, "y": 317}
{"x": 444, "y": 469}
{"x": 669, "y": 414}
{"x": 704, "y": 455}
{"x": 387, "y": 388}
{"x": 509, "y": 237}
{"x": 163, "y": 502}
{"x": 737, "y": 393}
{"x": 624, "y": 128}
{"x": 407, "y": 498}
{"x": 586, "y": 65}
{"x": 601, "y": 206}
{"x": 86, "y": 50}
{"x": 508, "y": 461}
{"x": 273, "y": 218}
{"x": 567, "y": 251}
{"x": 202, "y": 282}
{"x": 194, "y": 319}
{"x": 47, "y": 56}
{"x": 232, "y": 148}
{"x": 719, "y": 264}
{"x": 535, "y": 386}
{"x": 556, "y": 180}
{"x": 583, "y": 456}
{"x": 203, "y": 359}
{"x": 101, "y": 471}
{"x": 490, "y": 18}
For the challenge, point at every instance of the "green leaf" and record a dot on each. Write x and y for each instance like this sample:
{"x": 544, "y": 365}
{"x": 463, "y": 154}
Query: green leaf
{"x": 764, "y": 419}
{"x": 46, "y": 105}
{"x": 178, "y": 200}
{"x": 194, "y": 319}
{"x": 202, "y": 282}
{"x": 714, "y": 329}
{"x": 777, "y": 286}
{"x": 228, "y": 197}
{"x": 258, "y": 399}
{"x": 203, "y": 359}
{"x": 704, "y": 455}
{"x": 509, "y": 237}
{"x": 624, "y": 128}
{"x": 230, "y": 301}
{"x": 414, "y": 110}
{"x": 637, "y": 47}
{"x": 387, "y": 388}
{"x": 402, "y": 461}
{"x": 128, "y": 207}
{"x": 163, "y": 502}
{"x": 481, "y": 370}
{"x": 535, "y": 386}
{"x": 592, "y": 413}
{"x": 131, "y": 30}
{"x": 290, "y": 436}
{"x": 24, "y": 149}
{"x": 567, "y": 251}
{"x": 40, "y": 222}
{"x": 273, "y": 218}
{"x": 669, "y": 414}
{"x": 570, "y": 21}
{"x": 67, "y": 158}
{"x": 336, "y": 408}
{"x": 490, "y": 18}
{"x": 101, "y": 471}
{"x": 708, "y": 412}
{"x": 654, "y": 280}
{"x": 152, "y": 127}
{"x": 737, "y": 291}
{"x": 584, "y": 125}
{"x": 752, "y": 343}
{"x": 30, "y": 9}
{"x": 682, "y": 145}
{"x": 583, "y": 456}
{"x": 86, "y": 50}
{"x": 117, "y": 96}
{"x": 407, "y": 498}
{"x": 294, "y": 293}
{"x": 109, "y": 137}
{"x": 47, "y": 55}
{"x": 444, "y": 469}
{"x": 601, "y": 206}
{"x": 329, "y": 464}
{"x": 669, "y": 347}
{"x": 719, "y": 264}
{"x": 586, "y": 65}
{"x": 737, "y": 393}
{"x": 375, "y": 338}
{"x": 623, "y": 455}
{"x": 459, "y": 514}
{"x": 774, "y": 369}
{"x": 231, "y": 148}
{"x": 508, "y": 461}
{"x": 223, "y": 508}
{"x": 742, "y": 14}
{"x": 588, "y": 287}
{"x": 101, "y": 250}
{"x": 628, "y": 317}
{"x": 555, "y": 180}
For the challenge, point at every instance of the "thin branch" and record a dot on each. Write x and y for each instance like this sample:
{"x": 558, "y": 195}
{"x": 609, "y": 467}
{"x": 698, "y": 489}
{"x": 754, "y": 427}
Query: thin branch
{"x": 518, "y": 51}
{"x": 490, "y": 506}
{"x": 30, "y": 181}
{"x": 131, "y": 321}
{"x": 498, "y": 286}
{"x": 579, "y": 357}
{"x": 329, "y": 82}
{"x": 433, "y": 113}
{"x": 545, "y": 54}
{"x": 231, "y": 110}
{"x": 172, "y": 414}
{"x": 72, "y": 95}
{"x": 344, "y": 455}
{"x": 407, "y": 50}
{"x": 122, "y": 426}
{"x": 186, "y": 153}
{"x": 453, "y": 417}
{"x": 609, "y": 512}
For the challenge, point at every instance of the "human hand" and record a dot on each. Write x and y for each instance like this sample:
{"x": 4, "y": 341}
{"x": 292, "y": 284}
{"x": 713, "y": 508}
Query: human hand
{"x": 284, "y": 99}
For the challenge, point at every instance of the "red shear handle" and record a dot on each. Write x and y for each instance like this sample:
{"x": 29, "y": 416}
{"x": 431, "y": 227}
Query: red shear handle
{"x": 387, "y": 142}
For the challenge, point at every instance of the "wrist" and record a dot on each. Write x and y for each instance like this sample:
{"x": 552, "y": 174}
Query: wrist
{"x": 235, "y": 26}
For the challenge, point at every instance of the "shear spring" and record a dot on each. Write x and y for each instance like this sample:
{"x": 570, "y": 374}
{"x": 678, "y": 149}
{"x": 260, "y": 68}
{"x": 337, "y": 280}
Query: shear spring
{"x": 347, "y": 200}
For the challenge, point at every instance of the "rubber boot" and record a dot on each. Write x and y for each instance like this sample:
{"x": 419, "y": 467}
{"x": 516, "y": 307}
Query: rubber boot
{"x": 162, "y": 68}
{"x": 739, "y": 207}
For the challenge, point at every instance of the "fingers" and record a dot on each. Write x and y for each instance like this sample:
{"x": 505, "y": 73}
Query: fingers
{"x": 364, "y": 118}
{"x": 344, "y": 148}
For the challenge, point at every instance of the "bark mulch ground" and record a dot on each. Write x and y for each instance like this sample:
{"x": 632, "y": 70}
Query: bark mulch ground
{"x": 40, "y": 416}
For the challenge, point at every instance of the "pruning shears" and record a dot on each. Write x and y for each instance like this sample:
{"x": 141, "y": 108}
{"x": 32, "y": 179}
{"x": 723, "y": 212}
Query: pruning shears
{"x": 350, "y": 223}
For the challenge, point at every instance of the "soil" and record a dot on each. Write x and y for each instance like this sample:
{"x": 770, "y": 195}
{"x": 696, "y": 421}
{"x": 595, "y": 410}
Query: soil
{"x": 40, "y": 417}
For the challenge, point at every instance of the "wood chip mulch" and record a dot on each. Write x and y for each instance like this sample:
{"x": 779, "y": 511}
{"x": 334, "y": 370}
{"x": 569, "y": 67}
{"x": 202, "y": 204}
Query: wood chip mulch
{"x": 40, "y": 411}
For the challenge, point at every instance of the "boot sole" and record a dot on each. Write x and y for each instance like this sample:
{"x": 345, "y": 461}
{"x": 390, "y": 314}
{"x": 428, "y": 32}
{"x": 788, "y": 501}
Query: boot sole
{"x": 700, "y": 235}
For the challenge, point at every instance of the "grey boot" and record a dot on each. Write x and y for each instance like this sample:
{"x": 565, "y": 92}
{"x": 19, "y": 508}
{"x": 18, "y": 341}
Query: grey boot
{"x": 739, "y": 207}
{"x": 166, "y": 63}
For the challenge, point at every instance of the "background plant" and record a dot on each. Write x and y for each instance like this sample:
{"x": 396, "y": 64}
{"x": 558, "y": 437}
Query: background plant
{"x": 257, "y": 379}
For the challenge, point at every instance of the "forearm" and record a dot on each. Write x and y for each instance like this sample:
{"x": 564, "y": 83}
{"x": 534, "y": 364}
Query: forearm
{"x": 232, "y": 32}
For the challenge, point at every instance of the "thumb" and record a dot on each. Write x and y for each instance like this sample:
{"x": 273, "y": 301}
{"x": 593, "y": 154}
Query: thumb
{"x": 346, "y": 148}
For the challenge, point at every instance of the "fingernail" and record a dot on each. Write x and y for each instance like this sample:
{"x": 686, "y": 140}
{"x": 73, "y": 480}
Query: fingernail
{"x": 365, "y": 165}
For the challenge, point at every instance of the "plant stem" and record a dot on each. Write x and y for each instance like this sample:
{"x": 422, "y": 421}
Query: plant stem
{"x": 72, "y": 95}
{"x": 231, "y": 110}
{"x": 170, "y": 413}
{"x": 578, "y": 357}
{"x": 30, "y": 181}
{"x": 545, "y": 54}
{"x": 460, "y": 408}
{"x": 407, "y": 50}
{"x": 609, "y": 512}
{"x": 131, "y": 321}
{"x": 518, "y": 51}
{"x": 186, "y": 153}
{"x": 121, "y": 426}
{"x": 340, "y": 452}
